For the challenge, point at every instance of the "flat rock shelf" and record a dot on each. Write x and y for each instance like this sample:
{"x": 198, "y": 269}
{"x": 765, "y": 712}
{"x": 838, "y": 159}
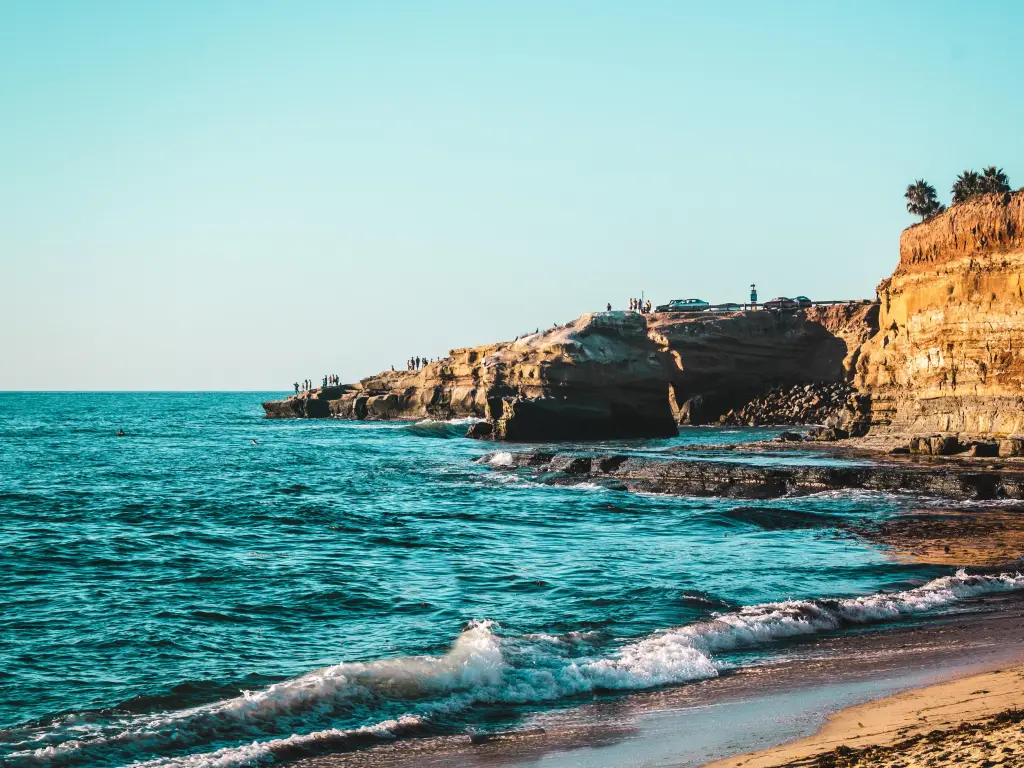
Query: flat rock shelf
{"x": 698, "y": 477}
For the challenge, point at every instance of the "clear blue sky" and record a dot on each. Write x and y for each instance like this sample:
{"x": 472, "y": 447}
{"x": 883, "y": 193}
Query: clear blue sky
{"x": 236, "y": 195}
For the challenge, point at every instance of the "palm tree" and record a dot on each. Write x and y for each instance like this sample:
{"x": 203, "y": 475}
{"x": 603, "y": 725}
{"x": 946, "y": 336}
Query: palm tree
{"x": 994, "y": 180}
{"x": 922, "y": 200}
{"x": 968, "y": 184}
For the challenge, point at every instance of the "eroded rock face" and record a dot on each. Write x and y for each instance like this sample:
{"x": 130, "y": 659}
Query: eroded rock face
{"x": 720, "y": 362}
{"x": 948, "y": 355}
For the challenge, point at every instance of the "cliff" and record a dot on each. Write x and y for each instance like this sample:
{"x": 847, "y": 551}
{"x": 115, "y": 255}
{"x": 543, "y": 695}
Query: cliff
{"x": 607, "y": 374}
{"x": 947, "y": 356}
{"x": 717, "y": 362}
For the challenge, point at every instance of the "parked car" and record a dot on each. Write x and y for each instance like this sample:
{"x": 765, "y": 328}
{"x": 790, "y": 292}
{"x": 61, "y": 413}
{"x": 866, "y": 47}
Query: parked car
{"x": 781, "y": 304}
{"x": 803, "y": 301}
{"x": 683, "y": 305}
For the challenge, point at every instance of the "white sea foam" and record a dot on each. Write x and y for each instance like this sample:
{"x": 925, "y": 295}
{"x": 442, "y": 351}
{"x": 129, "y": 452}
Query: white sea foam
{"x": 501, "y": 459}
{"x": 454, "y": 422}
{"x": 481, "y": 667}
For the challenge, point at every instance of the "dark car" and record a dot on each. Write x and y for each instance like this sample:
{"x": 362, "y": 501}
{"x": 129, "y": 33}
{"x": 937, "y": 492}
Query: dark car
{"x": 781, "y": 304}
{"x": 803, "y": 301}
{"x": 683, "y": 305}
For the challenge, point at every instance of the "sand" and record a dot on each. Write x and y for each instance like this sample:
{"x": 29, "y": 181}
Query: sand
{"x": 973, "y": 721}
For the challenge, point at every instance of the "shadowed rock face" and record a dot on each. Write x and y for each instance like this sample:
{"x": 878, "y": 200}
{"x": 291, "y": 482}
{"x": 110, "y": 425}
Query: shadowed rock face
{"x": 717, "y": 362}
{"x": 604, "y": 375}
{"x": 948, "y": 354}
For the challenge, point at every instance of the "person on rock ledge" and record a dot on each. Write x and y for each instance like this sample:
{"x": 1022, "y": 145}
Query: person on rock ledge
{"x": 609, "y": 309}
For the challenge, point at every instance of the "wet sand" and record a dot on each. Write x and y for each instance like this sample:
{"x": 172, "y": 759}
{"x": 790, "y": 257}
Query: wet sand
{"x": 973, "y": 536}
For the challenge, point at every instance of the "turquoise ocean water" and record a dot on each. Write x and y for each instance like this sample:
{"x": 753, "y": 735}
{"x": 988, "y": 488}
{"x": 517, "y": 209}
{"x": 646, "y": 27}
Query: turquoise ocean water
{"x": 183, "y": 597}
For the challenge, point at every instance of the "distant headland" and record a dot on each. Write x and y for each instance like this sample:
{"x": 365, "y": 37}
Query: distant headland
{"x": 938, "y": 352}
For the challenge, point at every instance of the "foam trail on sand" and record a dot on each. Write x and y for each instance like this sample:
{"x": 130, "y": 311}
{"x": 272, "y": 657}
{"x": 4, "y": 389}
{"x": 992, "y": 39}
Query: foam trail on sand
{"x": 482, "y": 667}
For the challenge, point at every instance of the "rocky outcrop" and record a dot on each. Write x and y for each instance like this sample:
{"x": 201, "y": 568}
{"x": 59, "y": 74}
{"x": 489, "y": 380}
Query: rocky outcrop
{"x": 948, "y": 355}
{"x": 688, "y": 477}
{"x": 607, "y": 374}
{"x": 599, "y": 376}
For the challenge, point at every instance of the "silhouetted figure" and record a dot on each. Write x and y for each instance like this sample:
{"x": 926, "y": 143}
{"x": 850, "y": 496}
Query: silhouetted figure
{"x": 296, "y": 387}
{"x": 120, "y": 433}
{"x": 609, "y": 309}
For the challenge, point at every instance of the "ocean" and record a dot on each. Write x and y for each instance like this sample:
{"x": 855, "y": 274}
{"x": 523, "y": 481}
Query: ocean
{"x": 185, "y": 596}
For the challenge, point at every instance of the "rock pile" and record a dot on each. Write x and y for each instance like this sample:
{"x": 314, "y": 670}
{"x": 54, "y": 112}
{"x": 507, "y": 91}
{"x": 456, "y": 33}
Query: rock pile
{"x": 822, "y": 403}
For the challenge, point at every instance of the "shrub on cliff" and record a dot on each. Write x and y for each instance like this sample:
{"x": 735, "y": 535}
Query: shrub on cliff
{"x": 922, "y": 200}
{"x": 994, "y": 180}
{"x": 971, "y": 183}
{"x": 966, "y": 186}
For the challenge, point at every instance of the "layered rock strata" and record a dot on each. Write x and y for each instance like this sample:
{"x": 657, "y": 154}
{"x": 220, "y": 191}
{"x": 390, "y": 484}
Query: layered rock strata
{"x": 948, "y": 356}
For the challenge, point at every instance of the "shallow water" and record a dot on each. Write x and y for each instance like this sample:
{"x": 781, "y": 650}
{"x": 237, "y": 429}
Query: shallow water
{"x": 372, "y": 581}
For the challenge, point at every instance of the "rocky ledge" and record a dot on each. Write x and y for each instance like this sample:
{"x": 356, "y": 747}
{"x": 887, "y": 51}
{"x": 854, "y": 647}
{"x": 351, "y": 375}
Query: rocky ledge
{"x": 700, "y": 477}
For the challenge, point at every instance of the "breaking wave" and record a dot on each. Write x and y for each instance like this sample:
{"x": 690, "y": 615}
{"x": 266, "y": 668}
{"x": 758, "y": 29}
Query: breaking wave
{"x": 412, "y": 695}
{"x": 442, "y": 429}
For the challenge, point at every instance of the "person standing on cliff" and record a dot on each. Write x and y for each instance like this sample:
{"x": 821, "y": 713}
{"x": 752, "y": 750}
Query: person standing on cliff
{"x": 296, "y": 387}
{"x": 609, "y": 308}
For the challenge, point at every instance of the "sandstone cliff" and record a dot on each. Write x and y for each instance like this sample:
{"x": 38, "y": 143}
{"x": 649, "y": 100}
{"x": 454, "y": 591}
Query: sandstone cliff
{"x": 948, "y": 353}
{"x": 607, "y": 374}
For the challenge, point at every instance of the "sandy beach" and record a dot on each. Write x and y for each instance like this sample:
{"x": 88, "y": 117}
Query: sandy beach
{"x": 975, "y": 720}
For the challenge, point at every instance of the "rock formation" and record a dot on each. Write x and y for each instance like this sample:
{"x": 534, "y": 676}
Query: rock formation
{"x": 718, "y": 362}
{"x": 608, "y": 374}
{"x": 598, "y": 376}
{"x": 948, "y": 354}
{"x": 689, "y": 477}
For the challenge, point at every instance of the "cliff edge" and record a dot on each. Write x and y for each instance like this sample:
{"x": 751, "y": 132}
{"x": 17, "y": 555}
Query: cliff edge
{"x": 947, "y": 356}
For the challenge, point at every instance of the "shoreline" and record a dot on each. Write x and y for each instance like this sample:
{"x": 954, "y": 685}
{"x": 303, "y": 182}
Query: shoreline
{"x": 741, "y": 711}
{"x": 971, "y": 719}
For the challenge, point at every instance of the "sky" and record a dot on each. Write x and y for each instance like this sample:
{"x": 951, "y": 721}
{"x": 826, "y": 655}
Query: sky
{"x": 214, "y": 195}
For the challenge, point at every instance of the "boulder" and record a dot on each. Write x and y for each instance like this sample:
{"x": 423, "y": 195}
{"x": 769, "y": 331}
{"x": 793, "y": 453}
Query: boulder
{"x": 1011, "y": 446}
{"x": 481, "y": 430}
{"x": 944, "y": 445}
